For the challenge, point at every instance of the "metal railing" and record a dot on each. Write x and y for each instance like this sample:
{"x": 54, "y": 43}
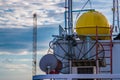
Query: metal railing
{"x": 77, "y": 76}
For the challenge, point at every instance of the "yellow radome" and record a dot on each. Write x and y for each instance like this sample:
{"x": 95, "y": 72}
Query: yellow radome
{"x": 88, "y": 22}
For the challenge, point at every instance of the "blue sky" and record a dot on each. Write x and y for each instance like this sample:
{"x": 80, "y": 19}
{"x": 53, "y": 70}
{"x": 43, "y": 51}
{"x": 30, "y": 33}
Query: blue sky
{"x": 16, "y": 25}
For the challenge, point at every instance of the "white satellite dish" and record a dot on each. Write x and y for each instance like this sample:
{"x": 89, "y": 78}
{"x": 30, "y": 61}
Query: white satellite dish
{"x": 48, "y": 61}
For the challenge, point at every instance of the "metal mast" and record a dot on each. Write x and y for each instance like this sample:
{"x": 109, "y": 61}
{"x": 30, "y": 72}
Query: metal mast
{"x": 70, "y": 19}
{"x": 70, "y": 32}
{"x": 116, "y": 25}
{"x": 34, "y": 44}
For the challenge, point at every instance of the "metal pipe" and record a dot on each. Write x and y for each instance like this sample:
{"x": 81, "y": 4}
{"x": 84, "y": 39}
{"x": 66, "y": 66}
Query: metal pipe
{"x": 118, "y": 15}
{"x": 113, "y": 14}
{"x": 87, "y": 46}
{"x": 70, "y": 29}
{"x": 97, "y": 61}
{"x": 70, "y": 18}
{"x": 65, "y": 15}
{"x": 80, "y": 76}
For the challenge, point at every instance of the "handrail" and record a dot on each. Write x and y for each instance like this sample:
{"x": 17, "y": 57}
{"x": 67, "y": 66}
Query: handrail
{"x": 80, "y": 76}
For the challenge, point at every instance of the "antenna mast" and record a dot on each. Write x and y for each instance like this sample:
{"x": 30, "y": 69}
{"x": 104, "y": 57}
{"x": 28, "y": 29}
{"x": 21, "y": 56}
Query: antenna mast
{"x": 34, "y": 44}
{"x": 70, "y": 19}
{"x": 116, "y": 25}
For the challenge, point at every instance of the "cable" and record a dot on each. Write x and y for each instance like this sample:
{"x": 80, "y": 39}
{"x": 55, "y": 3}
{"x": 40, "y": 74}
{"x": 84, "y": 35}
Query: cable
{"x": 90, "y": 4}
{"x": 61, "y": 47}
{"x": 95, "y": 54}
{"x": 99, "y": 52}
{"x": 51, "y": 43}
{"x": 84, "y": 6}
{"x": 58, "y": 55}
{"x": 103, "y": 50}
{"x": 80, "y": 49}
{"x": 88, "y": 51}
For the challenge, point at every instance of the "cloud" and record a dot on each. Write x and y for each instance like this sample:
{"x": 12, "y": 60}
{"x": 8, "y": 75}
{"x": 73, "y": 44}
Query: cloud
{"x": 42, "y": 51}
{"x": 98, "y": 6}
{"x": 15, "y": 67}
{"x": 20, "y": 41}
{"x": 14, "y": 60}
{"x": 15, "y": 40}
{"x": 20, "y": 63}
{"x": 6, "y": 60}
{"x": 19, "y": 52}
{"x": 24, "y": 52}
{"x": 16, "y": 22}
{"x": 19, "y": 13}
{"x": 24, "y": 60}
{"x": 23, "y": 55}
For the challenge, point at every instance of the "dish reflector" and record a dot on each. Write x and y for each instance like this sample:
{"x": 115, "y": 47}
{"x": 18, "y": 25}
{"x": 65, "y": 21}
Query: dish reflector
{"x": 48, "y": 61}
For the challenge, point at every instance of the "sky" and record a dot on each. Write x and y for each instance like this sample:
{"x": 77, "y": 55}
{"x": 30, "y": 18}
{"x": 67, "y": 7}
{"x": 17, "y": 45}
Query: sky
{"x": 16, "y": 25}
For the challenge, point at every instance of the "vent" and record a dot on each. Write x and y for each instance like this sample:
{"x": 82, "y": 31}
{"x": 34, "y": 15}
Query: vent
{"x": 84, "y": 70}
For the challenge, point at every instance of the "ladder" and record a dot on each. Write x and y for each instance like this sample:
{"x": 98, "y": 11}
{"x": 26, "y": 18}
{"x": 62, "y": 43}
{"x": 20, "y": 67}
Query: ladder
{"x": 107, "y": 45}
